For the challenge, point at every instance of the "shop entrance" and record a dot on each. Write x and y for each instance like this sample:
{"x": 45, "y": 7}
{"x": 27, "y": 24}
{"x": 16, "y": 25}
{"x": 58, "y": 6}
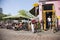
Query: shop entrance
{"x": 48, "y": 10}
{"x": 48, "y": 14}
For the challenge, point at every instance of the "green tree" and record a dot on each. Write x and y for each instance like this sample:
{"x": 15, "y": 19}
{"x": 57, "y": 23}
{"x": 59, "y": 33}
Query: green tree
{"x": 2, "y": 15}
{"x": 22, "y": 12}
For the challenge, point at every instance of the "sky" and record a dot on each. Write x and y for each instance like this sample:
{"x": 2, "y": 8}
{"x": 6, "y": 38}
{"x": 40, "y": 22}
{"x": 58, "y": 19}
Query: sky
{"x": 13, "y": 6}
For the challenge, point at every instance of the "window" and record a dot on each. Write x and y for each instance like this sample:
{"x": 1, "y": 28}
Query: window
{"x": 47, "y": 7}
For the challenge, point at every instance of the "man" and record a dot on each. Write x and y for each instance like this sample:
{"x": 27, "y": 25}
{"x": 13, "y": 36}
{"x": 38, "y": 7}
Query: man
{"x": 49, "y": 21}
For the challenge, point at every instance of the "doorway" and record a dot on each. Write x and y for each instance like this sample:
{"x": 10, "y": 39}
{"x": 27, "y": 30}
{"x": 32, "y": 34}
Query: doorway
{"x": 48, "y": 10}
{"x": 48, "y": 14}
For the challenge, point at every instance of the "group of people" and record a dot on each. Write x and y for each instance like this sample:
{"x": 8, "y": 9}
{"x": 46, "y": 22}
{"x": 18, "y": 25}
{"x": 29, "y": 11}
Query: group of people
{"x": 35, "y": 26}
{"x": 32, "y": 25}
{"x": 21, "y": 26}
{"x": 13, "y": 25}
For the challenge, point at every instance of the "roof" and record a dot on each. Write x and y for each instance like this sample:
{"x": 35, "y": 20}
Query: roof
{"x": 32, "y": 11}
{"x": 19, "y": 16}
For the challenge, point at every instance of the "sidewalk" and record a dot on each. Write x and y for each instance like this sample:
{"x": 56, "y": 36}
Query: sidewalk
{"x": 28, "y": 35}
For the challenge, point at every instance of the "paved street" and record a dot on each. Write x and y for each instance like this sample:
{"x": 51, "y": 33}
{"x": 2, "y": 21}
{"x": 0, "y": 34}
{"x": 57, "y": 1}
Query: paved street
{"x": 6, "y": 34}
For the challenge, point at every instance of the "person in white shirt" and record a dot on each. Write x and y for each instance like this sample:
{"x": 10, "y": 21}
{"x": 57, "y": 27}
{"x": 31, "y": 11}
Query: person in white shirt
{"x": 32, "y": 27}
{"x": 49, "y": 21}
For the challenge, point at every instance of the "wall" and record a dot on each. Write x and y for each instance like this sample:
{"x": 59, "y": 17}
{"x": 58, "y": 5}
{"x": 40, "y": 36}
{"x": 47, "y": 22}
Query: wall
{"x": 56, "y": 8}
{"x": 40, "y": 11}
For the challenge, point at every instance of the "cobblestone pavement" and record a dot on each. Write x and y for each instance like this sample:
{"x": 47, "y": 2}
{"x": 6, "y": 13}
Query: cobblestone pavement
{"x": 6, "y": 34}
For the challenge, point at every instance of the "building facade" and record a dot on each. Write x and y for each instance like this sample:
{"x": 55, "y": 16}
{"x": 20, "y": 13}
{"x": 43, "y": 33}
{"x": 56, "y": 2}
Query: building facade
{"x": 49, "y": 8}
{"x": 0, "y": 10}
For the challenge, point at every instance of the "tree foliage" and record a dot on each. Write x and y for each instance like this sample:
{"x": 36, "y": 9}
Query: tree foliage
{"x": 23, "y": 12}
{"x": 2, "y": 15}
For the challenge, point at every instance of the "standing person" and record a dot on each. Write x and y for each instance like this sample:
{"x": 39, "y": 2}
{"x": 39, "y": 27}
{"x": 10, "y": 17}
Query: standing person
{"x": 20, "y": 25}
{"x": 49, "y": 21}
{"x": 16, "y": 26}
{"x": 29, "y": 25}
{"x": 32, "y": 27}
